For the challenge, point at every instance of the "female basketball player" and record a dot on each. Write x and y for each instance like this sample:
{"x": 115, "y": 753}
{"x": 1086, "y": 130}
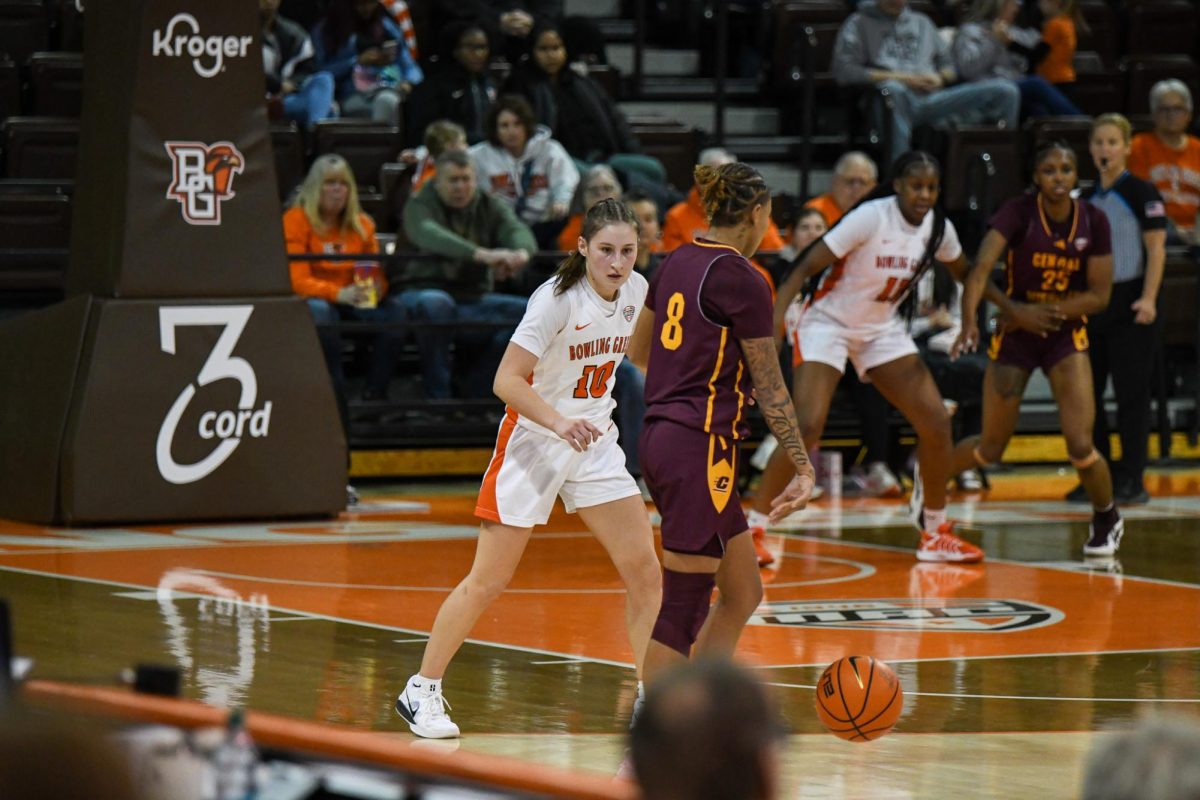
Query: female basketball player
{"x": 706, "y": 334}
{"x": 877, "y": 251}
{"x": 557, "y": 439}
{"x": 1059, "y": 270}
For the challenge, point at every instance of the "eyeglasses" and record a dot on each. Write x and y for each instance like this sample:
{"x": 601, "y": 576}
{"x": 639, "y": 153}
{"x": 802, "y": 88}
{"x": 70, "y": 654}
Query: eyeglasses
{"x": 1172, "y": 110}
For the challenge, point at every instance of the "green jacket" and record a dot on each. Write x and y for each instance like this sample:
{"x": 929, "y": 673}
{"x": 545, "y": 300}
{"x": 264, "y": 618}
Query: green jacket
{"x": 447, "y": 238}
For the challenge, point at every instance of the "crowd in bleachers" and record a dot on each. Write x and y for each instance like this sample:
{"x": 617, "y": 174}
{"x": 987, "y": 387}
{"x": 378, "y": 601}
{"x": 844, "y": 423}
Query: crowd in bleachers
{"x": 473, "y": 151}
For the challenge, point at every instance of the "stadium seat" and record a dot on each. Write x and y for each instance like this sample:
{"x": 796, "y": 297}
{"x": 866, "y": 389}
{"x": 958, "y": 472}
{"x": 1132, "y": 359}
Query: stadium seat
{"x": 10, "y": 89}
{"x": 1101, "y": 34}
{"x": 1098, "y": 89}
{"x": 1160, "y": 27}
{"x": 56, "y": 82}
{"x": 983, "y": 169}
{"x": 40, "y": 147}
{"x": 35, "y": 236}
{"x": 366, "y": 146}
{"x": 790, "y": 20}
{"x": 1144, "y": 71}
{"x": 1075, "y": 131}
{"x": 24, "y": 29}
{"x": 288, "y": 146}
{"x": 395, "y": 183}
{"x": 70, "y": 28}
{"x": 673, "y": 143}
{"x": 607, "y": 77}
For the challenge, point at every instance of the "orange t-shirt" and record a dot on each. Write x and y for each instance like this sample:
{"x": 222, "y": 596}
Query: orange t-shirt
{"x": 1175, "y": 173}
{"x": 322, "y": 279}
{"x": 1059, "y": 64}
{"x": 685, "y": 221}
{"x": 825, "y": 204}
{"x": 569, "y": 236}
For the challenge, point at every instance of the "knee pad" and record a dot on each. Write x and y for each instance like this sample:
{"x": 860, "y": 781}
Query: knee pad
{"x": 1086, "y": 461}
{"x": 685, "y": 600}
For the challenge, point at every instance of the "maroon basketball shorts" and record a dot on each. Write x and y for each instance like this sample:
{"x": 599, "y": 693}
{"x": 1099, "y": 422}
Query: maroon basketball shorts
{"x": 1030, "y": 351}
{"x": 692, "y": 477}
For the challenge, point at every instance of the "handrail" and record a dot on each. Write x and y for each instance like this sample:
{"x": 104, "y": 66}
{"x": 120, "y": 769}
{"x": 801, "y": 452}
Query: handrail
{"x": 809, "y": 61}
{"x": 722, "y": 30}
{"x": 330, "y": 741}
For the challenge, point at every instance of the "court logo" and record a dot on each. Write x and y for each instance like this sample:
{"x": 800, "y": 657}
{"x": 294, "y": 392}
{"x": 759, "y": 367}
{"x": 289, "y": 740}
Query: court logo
{"x": 952, "y": 615}
{"x": 202, "y": 178}
{"x": 182, "y": 39}
{"x": 227, "y": 426}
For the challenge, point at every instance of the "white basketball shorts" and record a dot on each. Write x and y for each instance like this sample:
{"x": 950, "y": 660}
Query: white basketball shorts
{"x": 818, "y": 337}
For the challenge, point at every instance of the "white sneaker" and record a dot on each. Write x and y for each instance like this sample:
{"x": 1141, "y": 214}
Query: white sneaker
{"x": 880, "y": 482}
{"x": 424, "y": 709}
{"x": 969, "y": 480}
{"x": 916, "y": 500}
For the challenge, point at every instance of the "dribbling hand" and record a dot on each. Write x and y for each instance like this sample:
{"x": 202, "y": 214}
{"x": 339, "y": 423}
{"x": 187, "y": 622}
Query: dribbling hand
{"x": 794, "y": 497}
{"x": 579, "y": 433}
{"x": 967, "y": 341}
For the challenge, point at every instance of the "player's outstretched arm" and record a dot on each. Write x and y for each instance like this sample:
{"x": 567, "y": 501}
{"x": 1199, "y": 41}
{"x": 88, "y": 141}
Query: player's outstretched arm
{"x": 512, "y": 386}
{"x": 776, "y": 406}
{"x": 818, "y": 257}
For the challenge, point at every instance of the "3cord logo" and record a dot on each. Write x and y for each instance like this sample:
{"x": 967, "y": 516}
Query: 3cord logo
{"x": 202, "y": 178}
{"x": 228, "y": 426}
{"x": 182, "y": 39}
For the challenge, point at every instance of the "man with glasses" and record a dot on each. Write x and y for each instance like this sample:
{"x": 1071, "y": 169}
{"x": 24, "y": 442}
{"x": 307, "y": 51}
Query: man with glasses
{"x": 854, "y": 176}
{"x": 1169, "y": 157}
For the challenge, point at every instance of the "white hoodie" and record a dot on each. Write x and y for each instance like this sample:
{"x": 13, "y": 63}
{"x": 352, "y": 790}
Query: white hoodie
{"x": 542, "y": 175}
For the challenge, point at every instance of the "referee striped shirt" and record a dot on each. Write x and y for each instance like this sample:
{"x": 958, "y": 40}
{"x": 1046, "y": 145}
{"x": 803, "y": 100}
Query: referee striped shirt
{"x": 1132, "y": 206}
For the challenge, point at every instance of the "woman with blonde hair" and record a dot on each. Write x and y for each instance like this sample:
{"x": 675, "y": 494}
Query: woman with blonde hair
{"x": 325, "y": 217}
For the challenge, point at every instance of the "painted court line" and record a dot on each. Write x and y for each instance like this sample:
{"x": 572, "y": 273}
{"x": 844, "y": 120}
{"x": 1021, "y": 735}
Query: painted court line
{"x": 960, "y": 696}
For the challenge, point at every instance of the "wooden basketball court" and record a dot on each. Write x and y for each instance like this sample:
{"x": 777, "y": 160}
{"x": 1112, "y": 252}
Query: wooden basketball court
{"x": 1009, "y": 667}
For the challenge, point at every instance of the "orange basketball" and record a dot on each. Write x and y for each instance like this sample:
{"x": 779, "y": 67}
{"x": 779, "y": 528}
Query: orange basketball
{"x": 859, "y": 698}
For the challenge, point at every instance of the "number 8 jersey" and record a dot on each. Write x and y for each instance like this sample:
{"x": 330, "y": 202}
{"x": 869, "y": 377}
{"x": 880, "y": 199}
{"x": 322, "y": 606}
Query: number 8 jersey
{"x": 579, "y": 339}
{"x": 878, "y": 252}
{"x": 705, "y": 297}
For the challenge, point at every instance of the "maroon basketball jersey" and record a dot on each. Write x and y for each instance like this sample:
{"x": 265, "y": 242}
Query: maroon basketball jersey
{"x": 705, "y": 297}
{"x": 1047, "y": 260}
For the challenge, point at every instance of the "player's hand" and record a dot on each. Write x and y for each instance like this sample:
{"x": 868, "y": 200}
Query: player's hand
{"x": 579, "y": 433}
{"x": 967, "y": 341}
{"x": 1039, "y": 319}
{"x": 1145, "y": 311}
{"x": 794, "y": 497}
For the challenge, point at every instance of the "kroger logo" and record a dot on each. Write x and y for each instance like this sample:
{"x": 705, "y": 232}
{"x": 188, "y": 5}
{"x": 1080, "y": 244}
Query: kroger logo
{"x": 182, "y": 39}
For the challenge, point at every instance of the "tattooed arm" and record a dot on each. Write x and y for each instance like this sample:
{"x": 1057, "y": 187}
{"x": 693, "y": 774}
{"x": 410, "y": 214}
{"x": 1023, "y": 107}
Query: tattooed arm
{"x": 776, "y": 406}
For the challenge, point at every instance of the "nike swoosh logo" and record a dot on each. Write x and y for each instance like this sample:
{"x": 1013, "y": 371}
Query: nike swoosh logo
{"x": 581, "y": 327}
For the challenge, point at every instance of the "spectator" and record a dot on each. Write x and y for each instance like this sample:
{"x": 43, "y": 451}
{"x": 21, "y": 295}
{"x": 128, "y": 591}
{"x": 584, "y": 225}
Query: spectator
{"x": 598, "y": 183}
{"x": 468, "y": 240}
{"x": 889, "y": 46}
{"x": 1169, "y": 157}
{"x": 507, "y": 22}
{"x": 990, "y": 45}
{"x": 304, "y": 95}
{"x": 649, "y": 231}
{"x": 460, "y": 89}
{"x": 440, "y": 135}
{"x": 60, "y": 757}
{"x": 708, "y": 731}
{"x": 854, "y": 176}
{"x": 524, "y": 167}
{"x": 360, "y": 44}
{"x": 687, "y": 220}
{"x": 325, "y": 217}
{"x": 1063, "y": 20}
{"x": 1158, "y": 759}
{"x": 579, "y": 112}
{"x": 1124, "y": 338}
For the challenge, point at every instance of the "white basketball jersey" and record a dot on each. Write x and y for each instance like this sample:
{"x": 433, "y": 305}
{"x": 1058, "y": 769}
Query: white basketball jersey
{"x": 878, "y": 252}
{"x": 579, "y": 339}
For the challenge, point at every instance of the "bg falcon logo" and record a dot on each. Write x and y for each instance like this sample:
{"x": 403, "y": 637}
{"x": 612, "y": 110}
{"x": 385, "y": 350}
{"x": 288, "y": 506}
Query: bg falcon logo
{"x": 202, "y": 177}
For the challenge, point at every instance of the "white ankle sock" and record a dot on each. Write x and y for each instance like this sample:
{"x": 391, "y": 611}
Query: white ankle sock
{"x": 757, "y": 519}
{"x": 934, "y": 520}
{"x": 425, "y": 682}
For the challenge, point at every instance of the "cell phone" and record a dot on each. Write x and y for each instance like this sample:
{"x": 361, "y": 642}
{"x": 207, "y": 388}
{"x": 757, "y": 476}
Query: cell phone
{"x": 390, "y": 49}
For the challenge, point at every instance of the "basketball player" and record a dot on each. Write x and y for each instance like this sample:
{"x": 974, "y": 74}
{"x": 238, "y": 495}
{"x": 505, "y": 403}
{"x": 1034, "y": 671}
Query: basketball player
{"x": 706, "y": 333}
{"x": 1059, "y": 270}
{"x": 876, "y": 253}
{"x": 557, "y": 439}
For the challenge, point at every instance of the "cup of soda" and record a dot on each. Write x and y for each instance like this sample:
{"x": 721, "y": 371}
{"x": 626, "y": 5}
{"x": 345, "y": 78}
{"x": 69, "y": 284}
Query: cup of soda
{"x": 366, "y": 278}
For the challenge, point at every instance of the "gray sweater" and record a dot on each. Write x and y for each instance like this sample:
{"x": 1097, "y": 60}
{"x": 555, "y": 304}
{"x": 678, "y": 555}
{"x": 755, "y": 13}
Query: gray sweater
{"x": 978, "y": 55}
{"x": 871, "y": 39}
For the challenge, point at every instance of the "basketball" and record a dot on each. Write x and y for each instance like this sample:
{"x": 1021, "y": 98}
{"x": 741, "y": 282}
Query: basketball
{"x": 859, "y": 698}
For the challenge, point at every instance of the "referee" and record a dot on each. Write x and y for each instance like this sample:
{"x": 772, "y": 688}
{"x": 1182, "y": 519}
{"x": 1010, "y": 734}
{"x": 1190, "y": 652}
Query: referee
{"x": 1124, "y": 338}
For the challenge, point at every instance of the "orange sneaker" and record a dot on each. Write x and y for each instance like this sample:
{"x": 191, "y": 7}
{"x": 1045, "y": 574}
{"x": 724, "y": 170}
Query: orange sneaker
{"x": 945, "y": 546}
{"x": 759, "y": 534}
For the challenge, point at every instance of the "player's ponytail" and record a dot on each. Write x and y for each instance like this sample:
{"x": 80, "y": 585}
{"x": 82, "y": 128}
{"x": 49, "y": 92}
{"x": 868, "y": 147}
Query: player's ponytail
{"x": 573, "y": 268}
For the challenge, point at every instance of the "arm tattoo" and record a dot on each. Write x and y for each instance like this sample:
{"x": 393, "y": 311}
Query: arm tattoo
{"x": 773, "y": 399}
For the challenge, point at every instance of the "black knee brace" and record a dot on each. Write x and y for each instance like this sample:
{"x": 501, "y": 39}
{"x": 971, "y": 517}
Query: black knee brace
{"x": 686, "y": 597}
